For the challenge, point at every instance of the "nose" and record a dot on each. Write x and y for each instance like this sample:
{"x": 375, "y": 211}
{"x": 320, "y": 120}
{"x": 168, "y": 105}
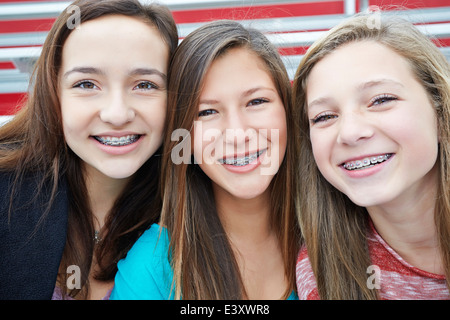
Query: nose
{"x": 236, "y": 129}
{"x": 353, "y": 129}
{"x": 117, "y": 110}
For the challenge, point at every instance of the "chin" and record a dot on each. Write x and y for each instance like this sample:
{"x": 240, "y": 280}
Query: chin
{"x": 249, "y": 192}
{"x": 367, "y": 200}
{"x": 119, "y": 173}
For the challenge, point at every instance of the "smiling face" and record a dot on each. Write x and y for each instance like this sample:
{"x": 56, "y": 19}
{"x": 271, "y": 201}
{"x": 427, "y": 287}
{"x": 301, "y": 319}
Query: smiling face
{"x": 240, "y": 133}
{"x": 113, "y": 94}
{"x": 372, "y": 126}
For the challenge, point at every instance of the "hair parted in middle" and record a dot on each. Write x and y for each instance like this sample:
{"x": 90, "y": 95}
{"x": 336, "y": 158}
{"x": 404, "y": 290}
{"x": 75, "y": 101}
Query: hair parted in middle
{"x": 201, "y": 255}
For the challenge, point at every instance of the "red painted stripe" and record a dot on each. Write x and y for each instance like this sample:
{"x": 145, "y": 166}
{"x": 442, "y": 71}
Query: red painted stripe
{"x": 203, "y": 15}
{"x": 410, "y": 4}
{"x": 238, "y": 13}
{"x": 442, "y": 42}
{"x": 7, "y": 65}
{"x": 29, "y": 25}
{"x": 291, "y": 51}
{"x": 259, "y": 12}
{"x": 10, "y": 103}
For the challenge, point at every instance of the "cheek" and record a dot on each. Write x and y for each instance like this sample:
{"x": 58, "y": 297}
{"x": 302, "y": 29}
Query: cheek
{"x": 207, "y": 143}
{"x": 275, "y": 131}
{"x": 75, "y": 115}
{"x": 419, "y": 145}
{"x": 417, "y": 135}
{"x": 72, "y": 124}
{"x": 197, "y": 144}
{"x": 281, "y": 140}
{"x": 204, "y": 157}
{"x": 321, "y": 148}
{"x": 156, "y": 124}
{"x": 153, "y": 111}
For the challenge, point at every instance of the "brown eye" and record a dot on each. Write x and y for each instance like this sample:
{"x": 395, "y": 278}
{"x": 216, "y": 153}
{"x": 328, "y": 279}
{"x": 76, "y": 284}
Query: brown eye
{"x": 206, "y": 112}
{"x": 146, "y": 85}
{"x": 256, "y": 102}
{"x": 85, "y": 85}
{"x": 323, "y": 118}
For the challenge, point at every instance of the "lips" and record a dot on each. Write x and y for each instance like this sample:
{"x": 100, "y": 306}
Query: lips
{"x": 117, "y": 141}
{"x": 366, "y": 162}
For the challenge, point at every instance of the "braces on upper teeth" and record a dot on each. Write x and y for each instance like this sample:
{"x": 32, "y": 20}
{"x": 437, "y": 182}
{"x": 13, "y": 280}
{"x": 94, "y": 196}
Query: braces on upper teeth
{"x": 366, "y": 162}
{"x": 243, "y": 161}
{"x": 116, "y": 141}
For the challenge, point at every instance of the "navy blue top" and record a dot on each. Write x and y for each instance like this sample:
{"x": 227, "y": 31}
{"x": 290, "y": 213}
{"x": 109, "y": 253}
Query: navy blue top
{"x": 30, "y": 247}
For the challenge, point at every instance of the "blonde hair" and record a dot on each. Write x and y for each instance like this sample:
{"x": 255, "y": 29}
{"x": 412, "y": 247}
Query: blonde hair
{"x": 334, "y": 228}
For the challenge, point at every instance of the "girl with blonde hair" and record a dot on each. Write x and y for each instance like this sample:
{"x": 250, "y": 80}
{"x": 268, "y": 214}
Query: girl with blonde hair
{"x": 374, "y": 198}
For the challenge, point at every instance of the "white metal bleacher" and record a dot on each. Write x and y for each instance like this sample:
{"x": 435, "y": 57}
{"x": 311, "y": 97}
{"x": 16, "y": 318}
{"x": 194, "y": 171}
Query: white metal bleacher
{"x": 23, "y": 48}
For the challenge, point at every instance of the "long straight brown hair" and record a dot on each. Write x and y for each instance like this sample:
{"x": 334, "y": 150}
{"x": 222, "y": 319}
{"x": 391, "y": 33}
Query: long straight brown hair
{"x": 34, "y": 140}
{"x": 334, "y": 228}
{"x": 201, "y": 256}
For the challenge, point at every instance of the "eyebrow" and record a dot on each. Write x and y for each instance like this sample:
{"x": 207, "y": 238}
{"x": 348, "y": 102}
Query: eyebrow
{"x": 318, "y": 101}
{"x": 134, "y": 72}
{"x": 90, "y": 70}
{"x": 253, "y": 90}
{"x": 363, "y": 86}
{"x": 148, "y": 71}
{"x": 243, "y": 95}
{"x": 378, "y": 82}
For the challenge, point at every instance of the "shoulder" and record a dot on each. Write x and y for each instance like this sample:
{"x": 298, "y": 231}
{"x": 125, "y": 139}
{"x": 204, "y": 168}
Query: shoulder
{"x": 26, "y": 191}
{"x": 153, "y": 242}
{"x": 30, "y": 209}
{"x": 148, "y": 252}
{"x": 32, "y": 237}
{"x": 305, "y": 279}
{"x": 397, "y": 278}
{"x": 145, "y": 273}
{"x": 6, "y": 180}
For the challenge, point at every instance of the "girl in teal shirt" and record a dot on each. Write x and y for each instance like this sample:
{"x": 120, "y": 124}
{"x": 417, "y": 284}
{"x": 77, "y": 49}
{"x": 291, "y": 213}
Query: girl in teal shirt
{"x": 228, "y": 176}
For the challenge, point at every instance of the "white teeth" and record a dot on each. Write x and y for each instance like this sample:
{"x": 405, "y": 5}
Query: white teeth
{"x": 118, "y": 141}
{"x": 366, "y": 162}
{"x": 242, "y": 161}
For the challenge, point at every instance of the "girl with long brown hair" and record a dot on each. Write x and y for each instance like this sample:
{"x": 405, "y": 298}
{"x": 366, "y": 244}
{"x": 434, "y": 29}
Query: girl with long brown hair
{"x": 374, "y": 198}
{"x": 95, "y": 119}
{"x": 228, "y": 228}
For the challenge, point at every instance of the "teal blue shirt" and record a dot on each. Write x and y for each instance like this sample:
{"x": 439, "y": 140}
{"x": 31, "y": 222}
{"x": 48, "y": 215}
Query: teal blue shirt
{"x": 145, "y": 273}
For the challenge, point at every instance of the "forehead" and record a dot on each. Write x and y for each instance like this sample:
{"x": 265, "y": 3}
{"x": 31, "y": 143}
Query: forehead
{"x": 115, "y": 39}
{"x": 112, "y": 23}
{"x": 239, "y": 66}
{"x": 353, "y": 63}
{"x": 115, "y": 29}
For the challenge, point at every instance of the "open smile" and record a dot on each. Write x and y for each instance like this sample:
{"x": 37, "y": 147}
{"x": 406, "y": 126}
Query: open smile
{"x": 366, "y": 162}
{"x": 242, "y": 161}
{"x": 117, "y": 141}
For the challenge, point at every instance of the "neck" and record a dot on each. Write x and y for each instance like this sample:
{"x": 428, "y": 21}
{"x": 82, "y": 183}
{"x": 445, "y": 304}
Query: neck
{"x": 244, "y": 219}
{"x": 247, "y": 223}
{"x": 408, "y": 226}
{"x": 103, "y": 191}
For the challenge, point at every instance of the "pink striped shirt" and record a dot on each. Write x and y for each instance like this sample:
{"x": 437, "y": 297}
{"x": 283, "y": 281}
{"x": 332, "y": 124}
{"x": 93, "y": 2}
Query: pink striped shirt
{"x": 396, "y": 278}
